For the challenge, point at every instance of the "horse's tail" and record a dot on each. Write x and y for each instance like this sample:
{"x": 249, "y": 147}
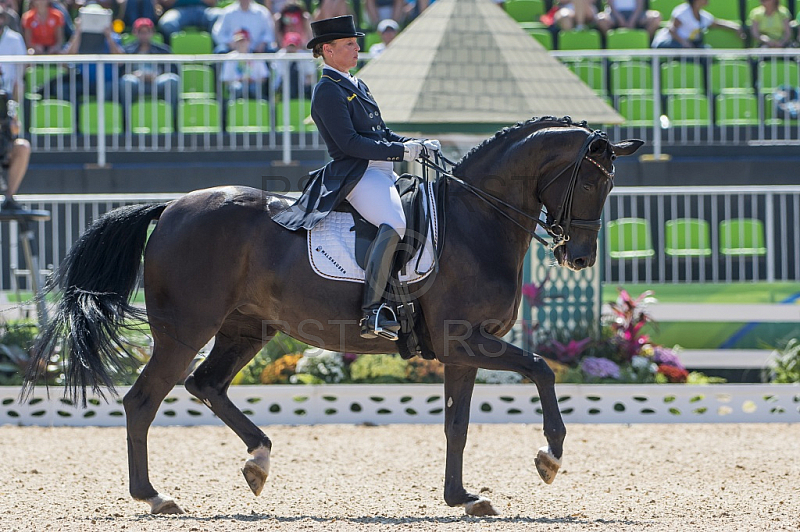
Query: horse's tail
{"x": 96, "y": 278}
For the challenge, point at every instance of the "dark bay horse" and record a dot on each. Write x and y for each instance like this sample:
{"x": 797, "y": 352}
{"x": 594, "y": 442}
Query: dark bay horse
{"x": 216, "y": 266}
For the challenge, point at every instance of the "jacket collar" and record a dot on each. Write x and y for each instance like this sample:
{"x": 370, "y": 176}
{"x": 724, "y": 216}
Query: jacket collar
{"x": 360, "y": 88}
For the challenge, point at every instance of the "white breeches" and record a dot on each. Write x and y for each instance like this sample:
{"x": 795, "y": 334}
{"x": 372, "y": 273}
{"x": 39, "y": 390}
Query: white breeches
{"x": 376, "y": 199}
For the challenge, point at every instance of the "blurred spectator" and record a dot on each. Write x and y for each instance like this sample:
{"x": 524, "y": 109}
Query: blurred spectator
{"x": 86, "y": 73}
{"x": 132, "y": 10}
{"x": 44, "y": 28}
{"x": 11, "y": 14}
{"x": 378, "y": 10}
{"x": 628, "y": 14}
{"x": 575, "y": 14}
{"x": 178, "y": 14}
{"x": 388, "y": 29}
{"x": 247, "y": 15}
{"x": 300, "y": 72}
{"x": 293, "y": 17}
{"x": 15, "y": 161}
{"x": 332, "y": 8}
{"x": 11, "y": 43}
{"x": 244, "y": 78}
{"x": 770, "y": 25}
{"x": 687, "y": 24}
{"x": 148, "y": 78}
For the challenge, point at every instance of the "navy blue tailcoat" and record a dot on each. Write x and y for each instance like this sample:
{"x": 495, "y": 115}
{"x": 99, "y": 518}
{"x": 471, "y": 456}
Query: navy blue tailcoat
{"x": 351, "y": 125}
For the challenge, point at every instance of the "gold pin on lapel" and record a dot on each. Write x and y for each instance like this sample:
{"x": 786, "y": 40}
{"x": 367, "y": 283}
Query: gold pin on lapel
{"x": 350, "y": 98}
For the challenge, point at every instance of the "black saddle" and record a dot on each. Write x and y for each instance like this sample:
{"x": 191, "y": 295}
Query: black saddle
{"x": 413, "y": 333}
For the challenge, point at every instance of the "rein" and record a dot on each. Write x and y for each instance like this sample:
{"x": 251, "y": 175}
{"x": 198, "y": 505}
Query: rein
{"x": 558, "y": 229}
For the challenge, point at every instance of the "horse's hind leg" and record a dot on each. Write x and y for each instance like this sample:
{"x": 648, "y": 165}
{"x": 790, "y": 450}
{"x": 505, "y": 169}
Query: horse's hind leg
{"x": 459, "y": 382}
{"x": 236, "y": 343}
{"x": 170, "y": 360}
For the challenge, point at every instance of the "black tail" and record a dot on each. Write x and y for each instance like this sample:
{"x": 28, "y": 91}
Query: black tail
{"x": 97, "y": 278}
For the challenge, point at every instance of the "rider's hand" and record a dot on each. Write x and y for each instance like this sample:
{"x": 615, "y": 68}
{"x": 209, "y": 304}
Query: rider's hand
{"x": 412, "y": 149}
{"x": 432, "y": 146}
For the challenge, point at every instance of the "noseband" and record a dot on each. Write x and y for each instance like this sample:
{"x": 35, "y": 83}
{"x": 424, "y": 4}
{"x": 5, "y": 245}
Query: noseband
{"x": 559, "y": 223}
{"x": 557, "y": 226}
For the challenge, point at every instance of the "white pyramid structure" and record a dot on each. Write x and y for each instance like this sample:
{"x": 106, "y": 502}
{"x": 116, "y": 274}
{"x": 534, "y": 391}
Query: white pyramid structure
{"x": 465, "y": 66}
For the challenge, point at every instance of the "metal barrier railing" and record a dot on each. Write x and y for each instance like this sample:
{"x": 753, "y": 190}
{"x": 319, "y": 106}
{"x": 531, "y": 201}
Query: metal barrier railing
{"x": 695, "y": 97}
{"x": 702, "y": 234}
{"x": 710, "y": 250}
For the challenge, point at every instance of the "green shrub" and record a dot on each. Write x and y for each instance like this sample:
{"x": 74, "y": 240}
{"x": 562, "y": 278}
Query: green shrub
{"x": 378, "y": 369}
{"x": 785, "y": 365}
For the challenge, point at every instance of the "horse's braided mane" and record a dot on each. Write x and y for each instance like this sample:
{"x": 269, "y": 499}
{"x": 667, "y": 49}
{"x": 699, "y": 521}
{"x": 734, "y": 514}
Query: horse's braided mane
{"x": 529, "y": 126}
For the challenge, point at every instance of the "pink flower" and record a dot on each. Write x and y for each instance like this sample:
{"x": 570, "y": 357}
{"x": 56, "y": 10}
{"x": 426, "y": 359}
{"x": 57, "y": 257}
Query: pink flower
{"x": 568, "y": 353}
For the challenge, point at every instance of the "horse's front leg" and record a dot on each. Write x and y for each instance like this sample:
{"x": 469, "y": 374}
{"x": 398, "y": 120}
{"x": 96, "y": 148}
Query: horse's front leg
{"x": 459, "y": 382}
{"x": 472, "y": 346}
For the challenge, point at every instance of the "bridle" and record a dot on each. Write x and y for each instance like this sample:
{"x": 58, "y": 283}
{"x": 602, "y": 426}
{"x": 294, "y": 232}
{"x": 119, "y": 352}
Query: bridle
{"x": 558, "y": 225}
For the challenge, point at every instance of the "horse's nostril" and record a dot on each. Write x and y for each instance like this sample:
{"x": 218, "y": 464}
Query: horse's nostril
{"x": 579, "y": 263}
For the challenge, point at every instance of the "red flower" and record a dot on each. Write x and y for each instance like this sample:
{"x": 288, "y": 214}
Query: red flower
{"x": 673, "y": 374}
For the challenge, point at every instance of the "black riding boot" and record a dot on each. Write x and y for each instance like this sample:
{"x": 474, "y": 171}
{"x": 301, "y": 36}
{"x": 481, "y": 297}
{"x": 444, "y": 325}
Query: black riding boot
{"x": 379, "y": 320}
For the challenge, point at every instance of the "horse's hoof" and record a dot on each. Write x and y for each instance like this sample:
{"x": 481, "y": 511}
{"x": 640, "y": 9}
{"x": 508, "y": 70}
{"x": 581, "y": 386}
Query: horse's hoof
{"x": 480, "y": 508}
{"x": 256, "y": 476}
{"x": 547, "y": 465}
{"x": 161, "y": 504}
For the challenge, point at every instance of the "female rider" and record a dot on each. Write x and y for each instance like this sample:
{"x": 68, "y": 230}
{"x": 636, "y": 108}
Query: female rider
{"x": 363, "y": 150}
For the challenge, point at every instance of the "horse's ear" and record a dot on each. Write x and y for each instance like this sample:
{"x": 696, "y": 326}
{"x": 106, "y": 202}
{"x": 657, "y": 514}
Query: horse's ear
{"x": 627, "y": 147}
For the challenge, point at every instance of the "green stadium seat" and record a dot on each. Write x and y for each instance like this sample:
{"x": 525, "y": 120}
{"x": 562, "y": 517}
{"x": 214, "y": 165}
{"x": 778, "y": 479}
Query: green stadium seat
{"x": 371, "y": 37}
{"x": 88, "y": 122}
{"x": 248, "y": 116}
{"x": 665, "y": 7}
{"x": 579, "y": 40}
{"x": 687, "y": 237}
{"x": 524, "y": 10}
{"x": 638, "y": 110}
{"x": 629, "y": 77}
{"x": 627, "y": 39}
{"x": 722, "y": 38}
{"x": 192, "y": 43}
{"x": 688, "y": 110}
{"x": 51, "y": 117}
{"x": 543, "y": 36}
{"x": 725, "y": 9}
{"x": 776, "y": 72}
{"x": 750, "y": 5}
{"x": 128, "y": 38}
{"x": 37, "y": 76}
{"x": 299, "y": 111}
{"x": 731, "y": 76}
{"x": 681, "y": 77}
{"x": 197, "y": 81}
{"x": 737, "y": 110}
{"x": 742, "y": 237}
{"x": 629, "y": 238}
{"x": 149, "y": 117}
{"x": 771, "y": 117}
{"x": 199, "y": 116}
{"x": 592, "y": 73}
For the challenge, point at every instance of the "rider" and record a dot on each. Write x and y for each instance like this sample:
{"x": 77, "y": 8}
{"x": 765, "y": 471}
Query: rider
{"x": 361, "y": 172}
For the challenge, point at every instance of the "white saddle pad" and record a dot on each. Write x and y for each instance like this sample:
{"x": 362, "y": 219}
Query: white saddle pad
{"x": 332, "y": 246}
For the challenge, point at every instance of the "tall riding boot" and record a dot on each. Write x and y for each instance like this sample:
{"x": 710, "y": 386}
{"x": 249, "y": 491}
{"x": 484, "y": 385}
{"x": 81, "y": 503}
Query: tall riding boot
{"x": 379, "y": 320}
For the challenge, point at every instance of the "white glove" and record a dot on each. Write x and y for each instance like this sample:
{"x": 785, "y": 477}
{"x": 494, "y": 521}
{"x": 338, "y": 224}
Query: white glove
{"x": 412, "y": 150}
{"x": 432, "y": 146}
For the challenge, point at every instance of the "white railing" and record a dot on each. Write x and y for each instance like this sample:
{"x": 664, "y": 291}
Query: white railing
{"x": 778, "y": 207}
{"x": 693, "y": 97}
{"x": 65, "y": 109}
{"x": 424, "y": 403}
{"x": 776, "y": 210}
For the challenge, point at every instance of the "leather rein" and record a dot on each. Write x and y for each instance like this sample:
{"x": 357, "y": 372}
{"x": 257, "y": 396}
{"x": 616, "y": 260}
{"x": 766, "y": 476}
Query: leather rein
{"x": 557, "y": 226}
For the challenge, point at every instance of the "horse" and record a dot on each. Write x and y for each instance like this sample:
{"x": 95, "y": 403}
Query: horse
{"x": 216, "y": 266}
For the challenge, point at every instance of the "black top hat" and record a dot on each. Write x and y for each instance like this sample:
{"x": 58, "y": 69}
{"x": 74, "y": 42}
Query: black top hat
{"x": 330, "y": 29}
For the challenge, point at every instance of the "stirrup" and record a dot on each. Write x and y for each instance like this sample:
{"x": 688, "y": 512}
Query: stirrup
{"x": 377, "y": 330}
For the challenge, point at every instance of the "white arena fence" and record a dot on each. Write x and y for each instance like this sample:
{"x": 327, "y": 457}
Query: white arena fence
{"x": 776, "y": 207}
{"x": 669, "y": 97}
{"x": 415, "y": 403}
{"x": 702, "y": 234}
{"x": 694, "y": 97}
